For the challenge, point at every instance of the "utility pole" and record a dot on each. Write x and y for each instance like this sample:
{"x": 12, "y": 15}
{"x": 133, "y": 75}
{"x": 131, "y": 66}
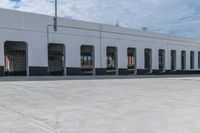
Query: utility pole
{"x": 56, "y": 16}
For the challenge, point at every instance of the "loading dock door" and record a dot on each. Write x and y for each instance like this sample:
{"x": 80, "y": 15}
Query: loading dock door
{"x": 183, "y": 60}
{"x": 199, "y": 60}
{"x": 131, "y": 53}
{"x": 56, "y": 59}
{"x": 161, "y": 60}
{"x": 87, "y": 60}
{"x": 173, "y": 60}
{"x": 15, "y": 62}
{"x": 192, "y": 60}
{"x": 111, "y": 60}
{"x": 148, "y": 60}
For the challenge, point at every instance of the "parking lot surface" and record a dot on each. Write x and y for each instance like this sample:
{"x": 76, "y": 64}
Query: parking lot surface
{"x": 150, "y": 105}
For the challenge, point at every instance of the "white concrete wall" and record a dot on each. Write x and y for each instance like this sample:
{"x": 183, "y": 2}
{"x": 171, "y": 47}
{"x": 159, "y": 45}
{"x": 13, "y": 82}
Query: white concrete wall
{"x": 32, "y": 29}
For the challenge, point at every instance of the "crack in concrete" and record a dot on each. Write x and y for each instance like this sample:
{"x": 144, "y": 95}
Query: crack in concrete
{"x": 28, "y": 119}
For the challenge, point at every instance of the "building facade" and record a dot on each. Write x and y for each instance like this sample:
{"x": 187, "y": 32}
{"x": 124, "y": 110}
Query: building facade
{"x": 29, "y": 46}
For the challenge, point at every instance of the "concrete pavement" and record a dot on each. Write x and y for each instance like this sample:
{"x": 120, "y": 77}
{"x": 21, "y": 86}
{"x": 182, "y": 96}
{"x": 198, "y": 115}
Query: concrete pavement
{"x": 150, "y": 105}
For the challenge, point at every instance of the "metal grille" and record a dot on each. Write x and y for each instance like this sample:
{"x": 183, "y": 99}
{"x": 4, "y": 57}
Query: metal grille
{"x": 161, "y": 60}
{"x": 173, "y": 60}
{"x": 111, "y": 59}
{"x": 87, "y": 59}
{"x": 15, "y": 58}
{"x": 147, "y": 60}
{"x": 56, "y": 59}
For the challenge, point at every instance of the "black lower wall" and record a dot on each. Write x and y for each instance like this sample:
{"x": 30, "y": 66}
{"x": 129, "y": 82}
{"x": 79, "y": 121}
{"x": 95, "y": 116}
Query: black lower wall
{"x": 157, "y": 72}
{"x": 183, "y": 72}
{"x": 122, "y": 71}
{"x": 100, "y": 71}
{"x": 38, "y": 71}
{"x": 167, "y": 72}
{"x": 71, "y": 71}
{"x": 143, "y": 72}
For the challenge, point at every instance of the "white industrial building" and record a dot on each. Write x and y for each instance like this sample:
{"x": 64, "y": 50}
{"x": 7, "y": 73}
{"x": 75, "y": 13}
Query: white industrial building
{"x": 29, "y": 46}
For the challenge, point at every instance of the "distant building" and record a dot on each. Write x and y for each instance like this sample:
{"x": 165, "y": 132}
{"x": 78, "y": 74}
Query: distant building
{"x": 30, "y": 46}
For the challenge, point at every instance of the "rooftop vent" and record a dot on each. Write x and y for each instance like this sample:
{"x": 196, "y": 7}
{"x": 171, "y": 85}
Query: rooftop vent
{"x": 144, "y": 29}
{"x": 117, "y": 24}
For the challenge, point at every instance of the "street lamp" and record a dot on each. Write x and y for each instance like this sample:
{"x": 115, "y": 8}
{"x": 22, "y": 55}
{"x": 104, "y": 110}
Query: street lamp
{"x": 55, "y": 18}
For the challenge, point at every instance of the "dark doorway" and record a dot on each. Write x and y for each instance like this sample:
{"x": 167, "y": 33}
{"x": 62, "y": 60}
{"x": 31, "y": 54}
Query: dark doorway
{"x": 199, "y": 60}
{"x": 131, "y": 53}
{"x": 173, "y": 60}
{"x": 191, "y": 59}
{"x": 56, "y": 59}
{"x": 148, "y": 60}
{"x": 111, "y": 60}
{"x": 15, "y": 62}
{"x": 183, "y": 60}
{"x": 87, "y": 60}
{"x": 161, "y": 60}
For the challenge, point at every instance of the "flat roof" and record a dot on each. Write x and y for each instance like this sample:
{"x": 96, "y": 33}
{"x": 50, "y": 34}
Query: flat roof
{"x": 105, "y": 27}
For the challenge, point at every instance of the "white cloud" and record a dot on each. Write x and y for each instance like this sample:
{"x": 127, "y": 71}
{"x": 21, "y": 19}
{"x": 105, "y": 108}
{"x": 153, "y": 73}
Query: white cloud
{"x": 175, "y": 17}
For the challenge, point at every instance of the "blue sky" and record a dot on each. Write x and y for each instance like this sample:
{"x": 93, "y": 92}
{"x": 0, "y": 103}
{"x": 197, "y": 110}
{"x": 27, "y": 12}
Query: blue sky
{"x": 174, "y": 17}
